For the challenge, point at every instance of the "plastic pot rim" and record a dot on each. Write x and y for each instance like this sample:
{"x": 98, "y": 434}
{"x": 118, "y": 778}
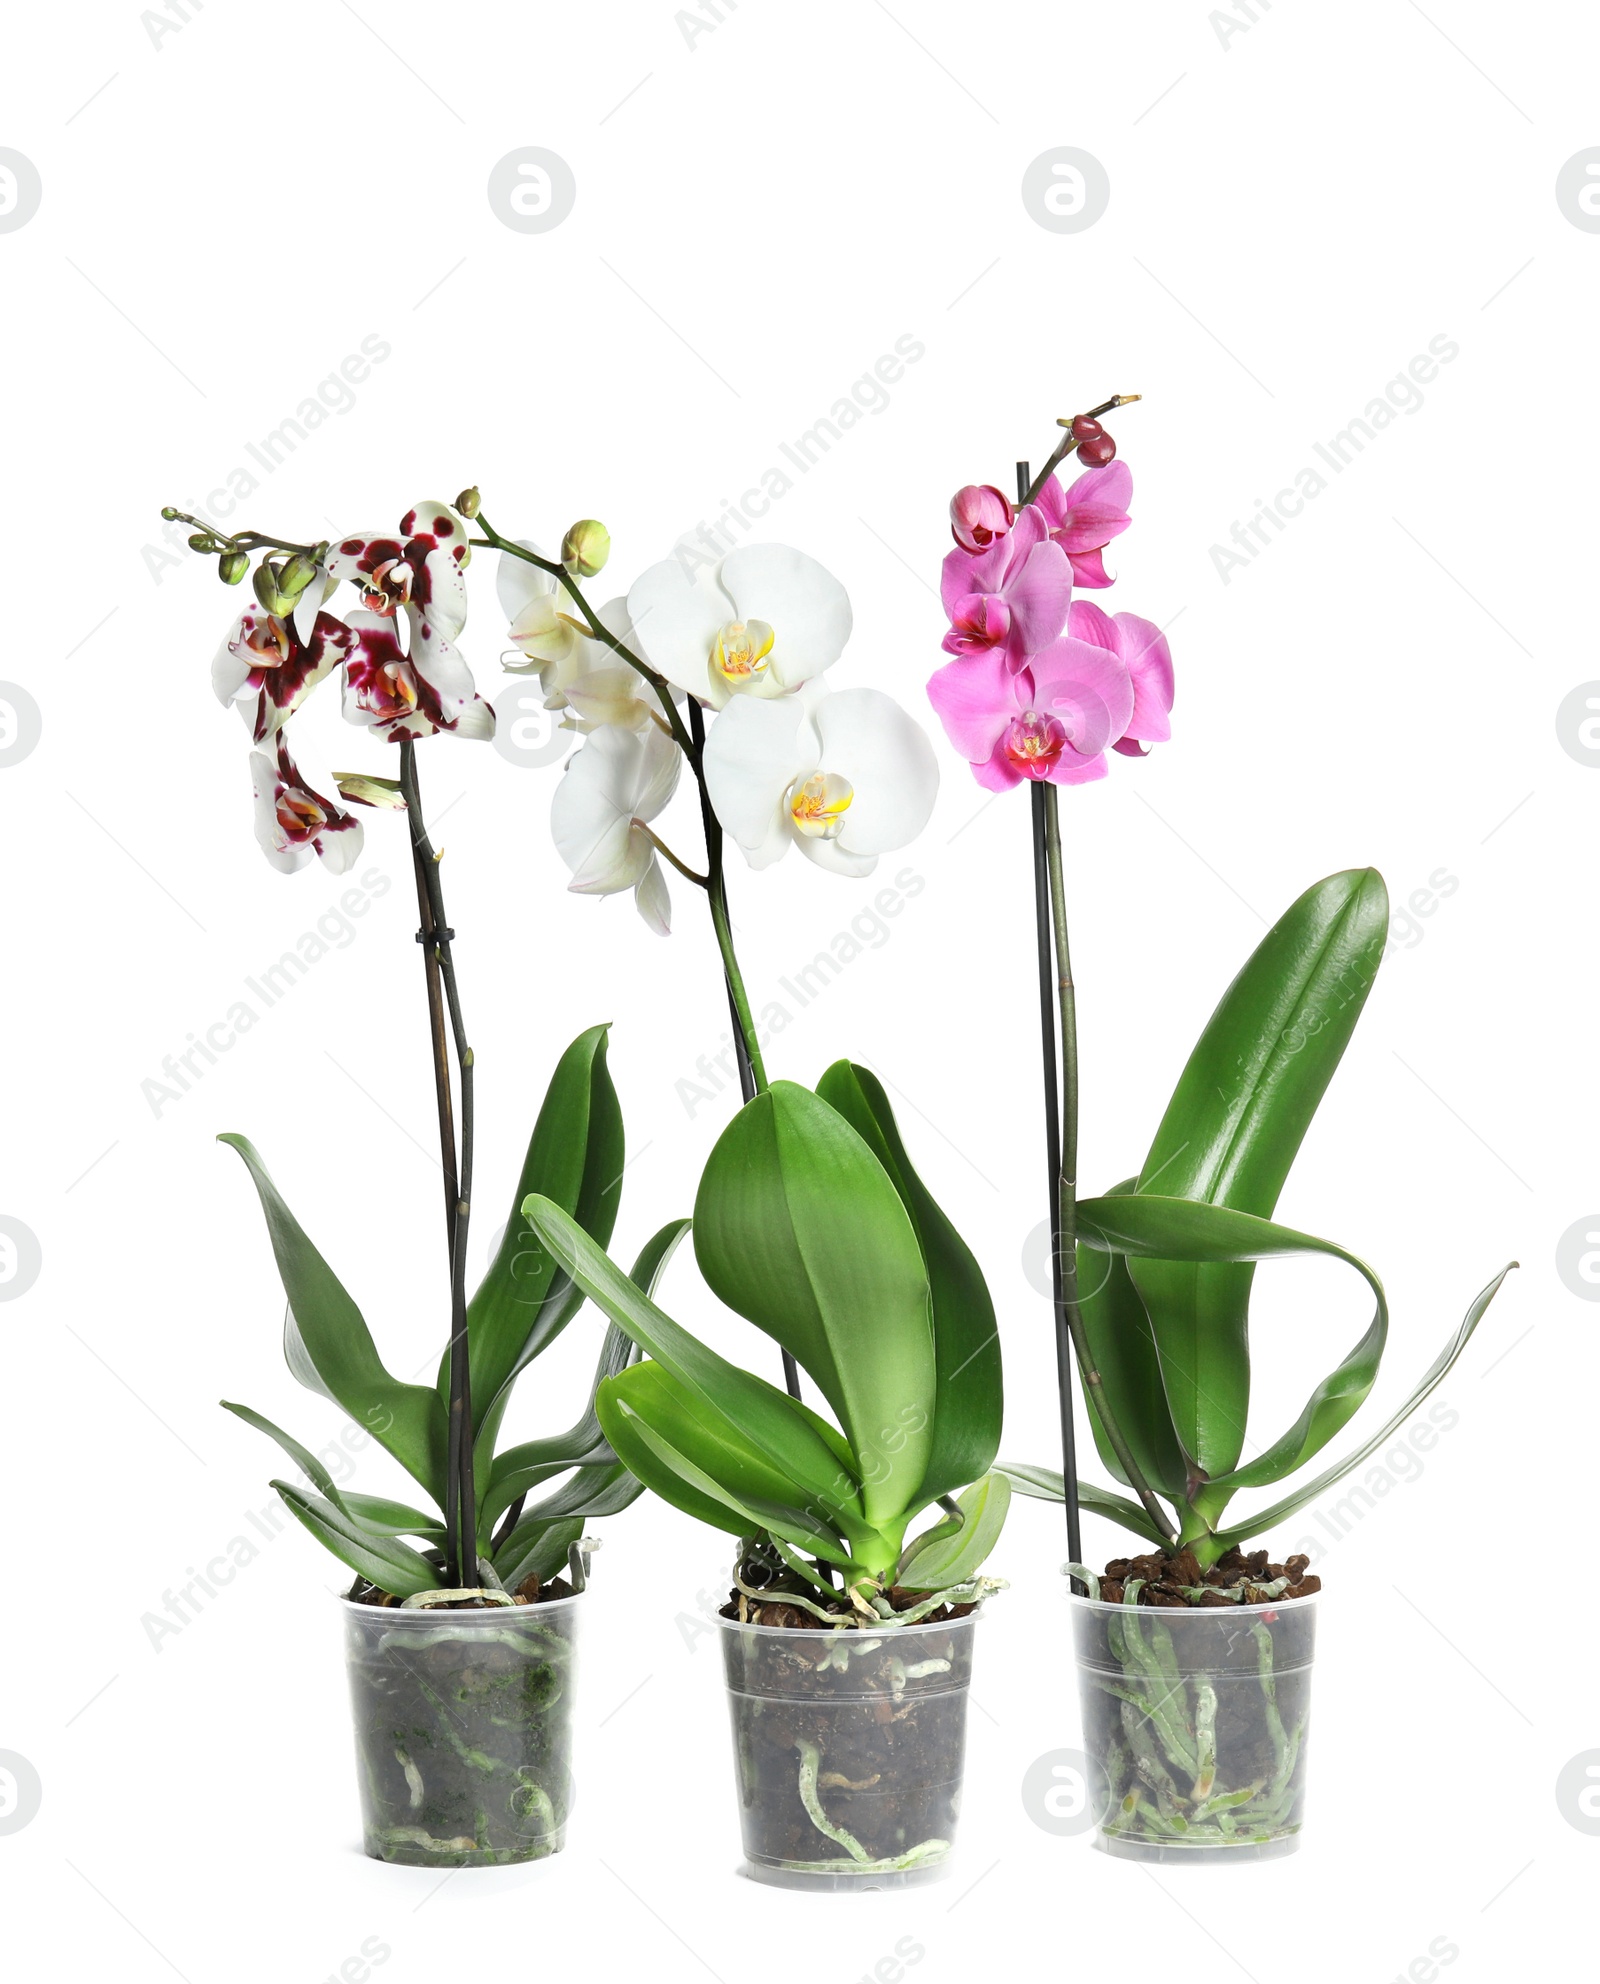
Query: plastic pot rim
{"x": 885, "y": 1631}
{"x": 431, "y": 1614}
{"x": 1081, "y": 1601}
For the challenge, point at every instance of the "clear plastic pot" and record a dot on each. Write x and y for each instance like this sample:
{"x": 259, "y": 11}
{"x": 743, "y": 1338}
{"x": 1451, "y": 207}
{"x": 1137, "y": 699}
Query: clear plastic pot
{"x": 1194, "y": 1726}
{"x": 848, "y": 1750}
{"x": 463, "y": 1724}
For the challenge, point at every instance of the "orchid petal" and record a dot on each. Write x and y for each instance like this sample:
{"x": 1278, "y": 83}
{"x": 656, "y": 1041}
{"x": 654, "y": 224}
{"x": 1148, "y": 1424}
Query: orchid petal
{"x": 652, "y": 900}
{"x": 755, "y": 752}
{"x": 805, "y": 605}
{"x": 868, "y": 740}
{"x": 975, "y": 698}
{"x": 676, "y": 609}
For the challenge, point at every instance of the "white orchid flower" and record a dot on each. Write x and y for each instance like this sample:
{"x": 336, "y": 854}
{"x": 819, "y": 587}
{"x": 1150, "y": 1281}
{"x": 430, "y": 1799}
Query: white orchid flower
{"x": 293, "y": 822}
{"x": 618, "y": 782}
{"x": 759, "y": 622}
{"x": 846, "y": 777}
{"x": 576, "y": 672}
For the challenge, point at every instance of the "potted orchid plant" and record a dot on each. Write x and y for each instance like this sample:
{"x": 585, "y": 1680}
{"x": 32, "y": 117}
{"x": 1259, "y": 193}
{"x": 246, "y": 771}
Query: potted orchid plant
{"x": 461, "y": 1621}
{"x": 847, "y": 1639}
{"x": 1195, "y": 1655}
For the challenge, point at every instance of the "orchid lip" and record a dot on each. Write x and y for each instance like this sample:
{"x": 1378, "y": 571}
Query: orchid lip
{"x": 740, "y": 653}
{"x": 1035, "y": 742}
{"x": 817, "y": 805}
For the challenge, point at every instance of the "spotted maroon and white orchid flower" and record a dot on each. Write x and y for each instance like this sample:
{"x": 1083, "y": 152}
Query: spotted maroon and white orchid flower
{"x": 295, "y": 822}
{"x": 845, "y": 777}
{"x": 419, "y": 572}
{"x": 394, "y": 694}
{"x": 268, "y": 666}
{"x": 610, "y": 791}
{"x": 758, "y": 623}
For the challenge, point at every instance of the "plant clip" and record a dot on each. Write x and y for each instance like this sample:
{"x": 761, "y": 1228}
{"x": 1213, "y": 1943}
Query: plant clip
{"x": 444, "y": 935}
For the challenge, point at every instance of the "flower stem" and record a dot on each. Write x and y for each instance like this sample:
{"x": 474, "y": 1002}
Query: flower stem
{"x": 1026, "y": 490}
{"x": 1065, "y": 1222}
{"x": 461, "y": 1519}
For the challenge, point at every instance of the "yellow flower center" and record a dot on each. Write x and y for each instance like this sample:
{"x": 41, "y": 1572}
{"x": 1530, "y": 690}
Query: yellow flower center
{"x": 739, "y": 653}
{"x": 818, "y": 804}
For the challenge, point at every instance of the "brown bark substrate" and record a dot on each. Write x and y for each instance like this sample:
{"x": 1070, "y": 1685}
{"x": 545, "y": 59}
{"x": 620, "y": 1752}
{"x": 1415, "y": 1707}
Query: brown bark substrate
{"x": 1234, "y": 1579}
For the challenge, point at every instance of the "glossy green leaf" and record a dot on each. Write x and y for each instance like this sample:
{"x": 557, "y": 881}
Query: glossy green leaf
{"x": 943, "y": 1557}
{"x": 1044, "y": 1485}
{"x": 591, "y": 1491}
{"x": 1123, "y": 1348}
{"x": 968, "y": 1396}
{"x": 329, "y": 1348}
{"x": 789, "y": 1434}
{"x": 576, "y": 1158}
{"x": 375, "y": 1514}
{"x": 1265, "y": 1519}
{"x": 1143, "y": 1227}
{"x": 383, "y": 1561}
{"x": 522, "y": 1467}
{"x": 678, "y": 1478}
{"x": 1231, "y": 1131}
{"x": 798, "y": 1227}
{"x": 683, "y": 1421}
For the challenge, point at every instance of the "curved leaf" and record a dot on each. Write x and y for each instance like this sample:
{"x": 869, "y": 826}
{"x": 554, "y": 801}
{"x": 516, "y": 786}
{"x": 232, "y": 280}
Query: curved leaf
{"x": 951, "y": 1556}
{"x": 968, "y": 1397}
{"x": 1148, "y": 1228}
{"x": 1044, "y": 1485}
{"x": 382, "y": 1561}
{"x": 1266, "y": 1518}
{"x": 592, "y": 1491}
{"x": 374, "y": 1514}
{"x": 793, "y": 1438}
{"x": 798, "y": 1227}
{"x": 523, "y": 1467}
{"x": 1123, "y": 1347}
{"x": 1236, "y": 1119}
{"x": 329, "y": 1348}
{"x": 575, "y": 1157}
{"x": 679, "y": 1479}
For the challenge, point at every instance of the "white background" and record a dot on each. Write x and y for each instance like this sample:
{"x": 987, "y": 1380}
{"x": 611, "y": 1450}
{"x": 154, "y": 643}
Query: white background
{"x": 1298, "y": 206}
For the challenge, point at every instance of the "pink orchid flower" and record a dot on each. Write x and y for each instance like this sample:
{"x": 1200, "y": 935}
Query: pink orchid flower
{"x": 979, "y": 515}
{"x": 1084, "y": 519}
{"x": 293, "y": 822}
{"x": 1051, "y": 718}
{"x": 269, "y": 666}
{"x": 1012, "y": 597}
{"x": 1142, "y": 648}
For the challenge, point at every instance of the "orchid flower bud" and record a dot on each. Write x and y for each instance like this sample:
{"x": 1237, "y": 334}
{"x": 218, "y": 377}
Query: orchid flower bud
{"x": 468, "y": 503}
{"x": 269, "y": 590}
{"x": 297, "y": 573}
{"x": 232, "y": 566}
{"x": 979, "y": 514}
{"x": 585, "y": 548}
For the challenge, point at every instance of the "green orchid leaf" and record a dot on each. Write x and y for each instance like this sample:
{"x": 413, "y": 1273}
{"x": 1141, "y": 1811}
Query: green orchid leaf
{"x": 1044, "y": 1485}
{"x": 798, "y": 1227}
{"x": 678, "y": 1479}
{"x": 329, "y": 1348}
{"x": 1236, "y": 1119}
{"x": 377, "y": 1515}
{"x": 1266, "y": 1519}
{"x": 939, "y": 1558}
{"x": 545, "y": 1555}
{"x": 795, "y": 1440}
{"x": 1122, "y": 1346}
{"x": 523, "y": 1467}
{"x": 576, "y": 1158}
{"x": 1143, "y": 1227}
{"x": 382, "y": 1561}
{"x": 967, "y": 1388}
{"x": 592, "y": 1491}
{"x": 684, "y": 1422}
